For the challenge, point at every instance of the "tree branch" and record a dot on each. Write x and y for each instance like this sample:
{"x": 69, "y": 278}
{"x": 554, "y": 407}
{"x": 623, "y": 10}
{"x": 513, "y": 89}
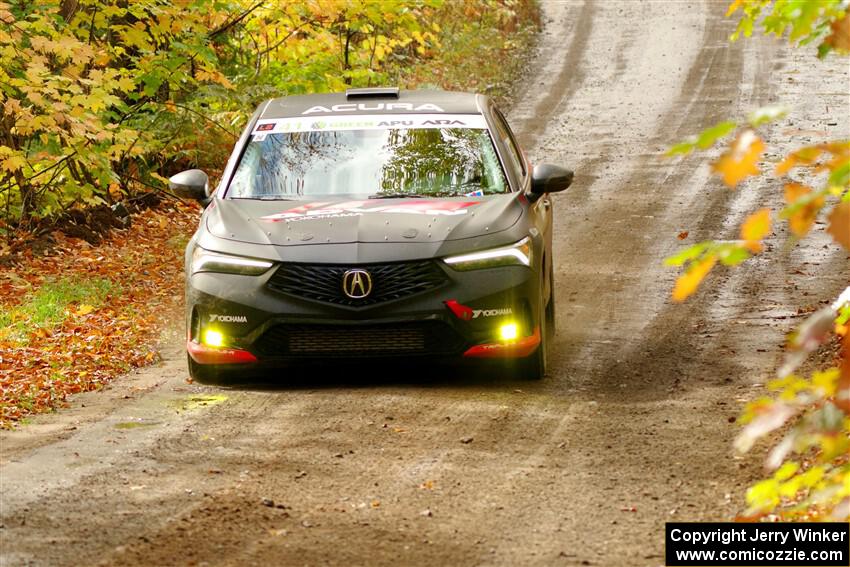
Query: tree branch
{"x": 227, "y": 25}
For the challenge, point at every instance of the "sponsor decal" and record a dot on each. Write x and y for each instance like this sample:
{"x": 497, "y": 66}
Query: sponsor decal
{"x": 376, "y": 122}
{"x": 228, "y": 318}
{"x": 352, "y": 107}
{"x": 476, "y": 313}
{"x": 467, "y": 313}
{"x": 321, "y": 217}
{"x": 349, "y": 208}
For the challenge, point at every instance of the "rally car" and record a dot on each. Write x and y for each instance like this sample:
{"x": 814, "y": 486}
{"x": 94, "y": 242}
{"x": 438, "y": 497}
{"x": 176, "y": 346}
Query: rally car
{"x": 371, "y": 224}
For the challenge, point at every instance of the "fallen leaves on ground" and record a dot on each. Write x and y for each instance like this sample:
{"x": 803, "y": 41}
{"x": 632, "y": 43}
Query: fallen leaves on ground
{"x": 92, "y": 344}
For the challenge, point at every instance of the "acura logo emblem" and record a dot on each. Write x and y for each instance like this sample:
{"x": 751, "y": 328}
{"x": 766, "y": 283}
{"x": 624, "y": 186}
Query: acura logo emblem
{"x": 357, "y": 284}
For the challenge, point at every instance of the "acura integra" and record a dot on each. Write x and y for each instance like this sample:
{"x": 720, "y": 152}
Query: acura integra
{"x": 372, "y": 224}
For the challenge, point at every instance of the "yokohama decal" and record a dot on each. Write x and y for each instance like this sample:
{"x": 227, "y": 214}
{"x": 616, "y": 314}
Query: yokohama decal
{"x": 419, "y": 207}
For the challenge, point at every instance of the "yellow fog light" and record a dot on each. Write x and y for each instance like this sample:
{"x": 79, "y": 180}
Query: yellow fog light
{"x": 508, "y": 332}
{"x": 213, "y": 338}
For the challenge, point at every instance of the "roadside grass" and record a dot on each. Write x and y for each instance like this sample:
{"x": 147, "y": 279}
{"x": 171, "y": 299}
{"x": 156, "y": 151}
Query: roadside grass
{"x": 48, "y": 306}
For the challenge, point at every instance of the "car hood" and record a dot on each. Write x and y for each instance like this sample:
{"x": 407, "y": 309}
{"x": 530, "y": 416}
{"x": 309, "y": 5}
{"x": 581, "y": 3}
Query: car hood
{"x": 292, "y": 223}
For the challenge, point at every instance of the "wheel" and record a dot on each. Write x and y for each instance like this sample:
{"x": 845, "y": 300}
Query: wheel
{"x": 208, "y": 373}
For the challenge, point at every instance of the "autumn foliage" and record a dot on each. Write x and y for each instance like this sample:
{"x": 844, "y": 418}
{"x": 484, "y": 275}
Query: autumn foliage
{"x": 102, "y": 98}
{"x": 810, "y": 465}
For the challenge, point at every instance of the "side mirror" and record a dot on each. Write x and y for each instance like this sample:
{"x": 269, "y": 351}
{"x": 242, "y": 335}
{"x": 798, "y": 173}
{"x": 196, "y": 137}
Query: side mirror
{"x": 190, "y": 184}
{"x": 547, "y": 178}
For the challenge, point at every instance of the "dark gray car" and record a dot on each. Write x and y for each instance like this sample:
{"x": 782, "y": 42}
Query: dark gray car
{"x": 371, "y": 224}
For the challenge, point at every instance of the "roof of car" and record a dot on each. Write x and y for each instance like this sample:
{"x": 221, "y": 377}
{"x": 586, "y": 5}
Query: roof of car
{"x": 374, "y": 101}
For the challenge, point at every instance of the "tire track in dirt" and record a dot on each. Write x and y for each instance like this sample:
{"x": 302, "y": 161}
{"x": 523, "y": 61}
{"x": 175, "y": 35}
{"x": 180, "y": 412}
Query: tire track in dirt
{"x": 569, "y": 78}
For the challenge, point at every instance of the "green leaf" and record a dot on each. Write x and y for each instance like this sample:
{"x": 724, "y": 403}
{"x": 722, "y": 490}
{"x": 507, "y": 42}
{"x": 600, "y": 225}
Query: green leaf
{"x": 707, "y": 137}
{"x": 690, "y": 253}
{"x": 766, "y": 114}
{"x": 685, "y": 147}
{"x": 840, "y": 177}
{"x": 733, "y": 255}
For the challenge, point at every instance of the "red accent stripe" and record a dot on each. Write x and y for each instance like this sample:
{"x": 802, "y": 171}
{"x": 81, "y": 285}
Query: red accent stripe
{"x": 203, "y": 354}
{"x": 462, "y": 312}
{"x": 514, "y": 349}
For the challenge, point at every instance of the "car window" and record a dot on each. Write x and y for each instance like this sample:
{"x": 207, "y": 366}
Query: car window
{"x": 360, "y": 157}
{"x": 514, "y": 155}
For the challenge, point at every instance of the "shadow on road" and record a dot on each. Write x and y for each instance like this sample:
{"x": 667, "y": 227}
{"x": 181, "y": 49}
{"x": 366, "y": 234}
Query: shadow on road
{"x": 360, "y": 374}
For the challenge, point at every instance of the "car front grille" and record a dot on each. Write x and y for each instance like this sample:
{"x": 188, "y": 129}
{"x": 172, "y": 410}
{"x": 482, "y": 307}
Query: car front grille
{"x": 390, "y": 281}
{"x": 360, "y": 341}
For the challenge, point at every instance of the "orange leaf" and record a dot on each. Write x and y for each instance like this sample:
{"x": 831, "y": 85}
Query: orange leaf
{"x": 839, "y": 224}
{"x": 741, "y": 159}
{"x": 839, "y": 39}
{"x": 687, "y": 283}
{"x": 755, "y": 228}
{"x": 806, "y": 155}
{"x": 794, "y": 191}
{"x": 803, "y": 218}
{"x": 733, "y": 7}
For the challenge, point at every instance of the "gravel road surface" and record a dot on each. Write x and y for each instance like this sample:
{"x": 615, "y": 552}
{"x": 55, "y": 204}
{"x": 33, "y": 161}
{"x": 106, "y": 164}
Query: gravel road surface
{"x": 434, "y": 466}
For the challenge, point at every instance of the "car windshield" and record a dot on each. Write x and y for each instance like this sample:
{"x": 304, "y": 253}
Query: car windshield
{"x": 326, "y": 159}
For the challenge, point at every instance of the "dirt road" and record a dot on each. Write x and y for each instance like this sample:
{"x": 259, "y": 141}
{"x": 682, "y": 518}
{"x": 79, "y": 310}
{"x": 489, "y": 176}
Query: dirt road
{"x": 435, "y": 467}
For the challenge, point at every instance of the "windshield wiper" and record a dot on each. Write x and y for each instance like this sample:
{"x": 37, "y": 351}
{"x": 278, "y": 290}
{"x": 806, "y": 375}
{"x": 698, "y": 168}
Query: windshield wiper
{"x": 397, "y": 196}
{"x": 263, "y": 198}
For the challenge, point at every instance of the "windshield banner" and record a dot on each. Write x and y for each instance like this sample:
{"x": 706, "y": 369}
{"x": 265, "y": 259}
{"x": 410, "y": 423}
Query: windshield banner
{"x": 377, "y": 122}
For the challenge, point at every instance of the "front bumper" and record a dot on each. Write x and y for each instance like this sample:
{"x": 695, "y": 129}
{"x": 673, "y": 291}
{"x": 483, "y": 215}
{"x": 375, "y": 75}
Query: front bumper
{"x": 459, "y": 318}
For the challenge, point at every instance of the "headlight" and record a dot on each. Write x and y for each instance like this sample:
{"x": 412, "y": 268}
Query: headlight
{"x": 206, "y": 261}
{"x": 518, "y": 254}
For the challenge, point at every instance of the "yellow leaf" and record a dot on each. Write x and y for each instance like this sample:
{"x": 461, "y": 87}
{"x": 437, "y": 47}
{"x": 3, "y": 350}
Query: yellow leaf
{"x": 13, "y": 163}
{"x": 755, "y": 228}
{"x": 688, "y": 282}
{"x": 839, "y": 224}
{"x": 84, "y": 309}
{"x": 741, "y": 159}
{"x": 126, "y": 84}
